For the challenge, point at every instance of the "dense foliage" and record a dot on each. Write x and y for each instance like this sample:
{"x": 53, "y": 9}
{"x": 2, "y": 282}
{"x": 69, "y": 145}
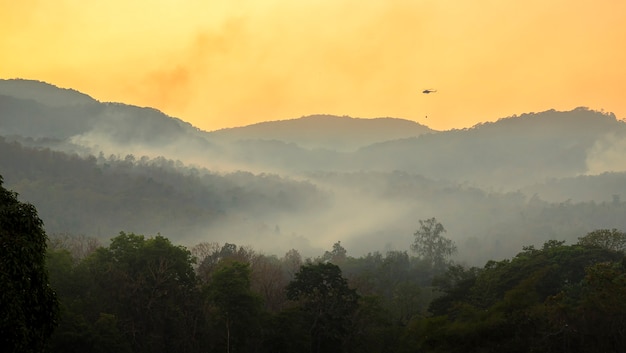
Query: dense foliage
{"x": 145, "y": 294}
{"x": 95, "y": 168}
{"x": 529, "y": 303}
{"x": 28, "y": 305}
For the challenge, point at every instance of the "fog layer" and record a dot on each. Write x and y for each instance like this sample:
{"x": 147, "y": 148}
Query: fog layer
{"x": 99, "y": 168}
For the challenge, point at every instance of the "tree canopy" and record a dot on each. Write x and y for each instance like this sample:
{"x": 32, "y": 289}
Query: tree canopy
{"x": 328, "y": 303}
{"x": 611, "y": 239}
{"x": 28, "y": 305}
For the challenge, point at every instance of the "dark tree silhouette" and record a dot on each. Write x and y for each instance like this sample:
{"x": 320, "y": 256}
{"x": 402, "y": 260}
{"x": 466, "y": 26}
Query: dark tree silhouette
{"x": 28, "y": 305}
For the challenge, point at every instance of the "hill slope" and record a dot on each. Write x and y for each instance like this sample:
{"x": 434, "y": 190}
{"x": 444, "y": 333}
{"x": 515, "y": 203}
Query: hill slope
{"x": 496, "y": 187}
{"x": 340, "y": 133}
{"x": 43, "y": 93}
{"x": 509, "y": 153}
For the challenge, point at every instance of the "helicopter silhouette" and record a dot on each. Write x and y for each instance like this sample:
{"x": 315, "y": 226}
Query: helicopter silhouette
{"x": 427, "y": 91}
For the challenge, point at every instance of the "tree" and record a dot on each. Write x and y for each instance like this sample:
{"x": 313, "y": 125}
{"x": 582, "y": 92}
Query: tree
{"x": 398, "y": 286}
{"x": 79, "y": 246}
{"x": 213, "y": 255}
{"x": 235, "y": 305}
{"x": 269, "y": 280}
{"x": 337, "y": 255}
{"x": 291, "y": 262}
{"x": 590, "y": 315}
{"x": 28, "y": 306}
{"x": 454, "y": 284}
{"x": 149, "y": 285}
{"x": 611, "y": 239}
{"x": 431, "y": 245}
{"x": 327, "y": 302}
{"x": 81, "y": 329}
{"x": 542, "y": 300}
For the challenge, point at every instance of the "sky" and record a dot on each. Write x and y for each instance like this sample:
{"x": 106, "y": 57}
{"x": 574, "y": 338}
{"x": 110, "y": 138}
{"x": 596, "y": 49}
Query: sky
{"x": 219, "y": 64}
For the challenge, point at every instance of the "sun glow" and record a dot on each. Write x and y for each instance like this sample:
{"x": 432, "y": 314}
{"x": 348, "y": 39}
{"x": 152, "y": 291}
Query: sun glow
{"x": 219, "y": 64}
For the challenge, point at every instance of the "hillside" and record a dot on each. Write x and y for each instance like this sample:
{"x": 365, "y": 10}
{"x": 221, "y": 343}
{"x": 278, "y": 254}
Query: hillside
{"x": 340, "y": 133}
{"x": 510, "y": 153}
{"x": 99, "y": 168}
{"x": 367, "y": 211}
{"x": 102, "y": 196}
{"x": 43, "y": 93}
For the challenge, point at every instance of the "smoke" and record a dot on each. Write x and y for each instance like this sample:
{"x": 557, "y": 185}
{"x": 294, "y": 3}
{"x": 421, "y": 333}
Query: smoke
{"x": 607, "y": 155}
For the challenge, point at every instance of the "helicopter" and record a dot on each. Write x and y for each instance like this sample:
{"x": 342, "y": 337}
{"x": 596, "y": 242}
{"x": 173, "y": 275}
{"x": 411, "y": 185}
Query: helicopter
{"x": 427, "y": 91}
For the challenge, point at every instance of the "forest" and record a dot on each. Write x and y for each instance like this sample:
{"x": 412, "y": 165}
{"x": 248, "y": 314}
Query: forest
{"x": 97, "y": 196}
{"x": 146, "y": 294}
{"x": 123, "y": 229}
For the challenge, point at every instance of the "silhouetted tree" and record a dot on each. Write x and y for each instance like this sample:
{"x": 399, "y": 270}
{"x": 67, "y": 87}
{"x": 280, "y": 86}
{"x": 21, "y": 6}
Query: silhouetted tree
{"x": 28, "y": 305}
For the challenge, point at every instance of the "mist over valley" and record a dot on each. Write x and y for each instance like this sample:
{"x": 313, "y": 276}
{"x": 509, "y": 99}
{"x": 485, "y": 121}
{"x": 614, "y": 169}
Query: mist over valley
{"x": 98, "y": 168}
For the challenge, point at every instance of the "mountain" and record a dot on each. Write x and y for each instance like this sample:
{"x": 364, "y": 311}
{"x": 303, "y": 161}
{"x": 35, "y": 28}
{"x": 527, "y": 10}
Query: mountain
{"x": 339, "y": 133}
{"x": 366, "y": 211}
{"x": 100, "y": 196}
{"x": 97, "y": 168}
{"x": 67, "y": 118}
{"x": 43, "y": 93}
{"x": 38, "y": 110}
{"x": 509, "y": 153}
{"x": 31, "y": 108}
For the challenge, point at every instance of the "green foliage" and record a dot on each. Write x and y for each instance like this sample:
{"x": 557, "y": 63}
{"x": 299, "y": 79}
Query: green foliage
{"x": 543, "y": 299}
{"x": 141, "y": 294}
{"x": 328, "y": 303}
{"x": 137, "y": 292}
{"x": 590, "y": 316}
{"x": 402, "y": 283}
{"x": 372, "y": 330}
{"x": 611, "y": 239}
{"x": 288, "y": 332}
{"x": 28, "y": 305}
{"x": 514, "y": 305}
{"x": 234, "y": 305}
{"x": 455, "y": 284}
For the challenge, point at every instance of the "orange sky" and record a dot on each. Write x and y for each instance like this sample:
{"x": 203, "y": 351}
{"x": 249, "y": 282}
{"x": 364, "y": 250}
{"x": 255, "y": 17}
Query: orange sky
{"x": 219, "y": 63}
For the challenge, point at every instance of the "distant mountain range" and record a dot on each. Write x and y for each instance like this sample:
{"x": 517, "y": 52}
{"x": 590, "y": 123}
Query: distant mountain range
{"x": 32, "y": 108}
{"x": 381, "y": 164}
{"x": 510, "y": 153}
{"x": 329, "y": 132}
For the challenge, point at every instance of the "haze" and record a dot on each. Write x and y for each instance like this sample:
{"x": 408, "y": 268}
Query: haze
{"x": 309, "y": 182}
{"x": 221, "y": 64}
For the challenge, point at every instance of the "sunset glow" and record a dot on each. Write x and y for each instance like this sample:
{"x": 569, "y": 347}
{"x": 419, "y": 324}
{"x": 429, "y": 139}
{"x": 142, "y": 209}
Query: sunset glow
{"x": 220, "y": 64}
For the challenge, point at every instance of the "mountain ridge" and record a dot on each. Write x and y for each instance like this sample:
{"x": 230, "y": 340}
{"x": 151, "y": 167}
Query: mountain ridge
{"x": 43, "y": 92}
{"x": 511, "y": 152}
{"x": 122, "y": 166}
{"x": 325, "y": 131}
{"x": 345, "y": 133}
